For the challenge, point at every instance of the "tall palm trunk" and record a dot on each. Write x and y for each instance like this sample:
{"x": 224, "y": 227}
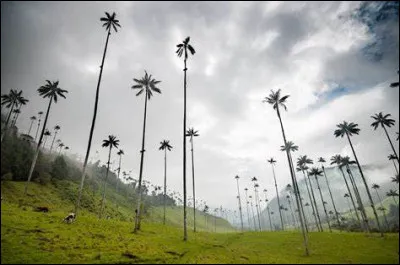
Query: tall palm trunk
{"x": 258, "y": 213}
{"x": 52, "y": 142}
{"x": 297, "y": 191}
{"x": 391, "y": 144}
{"x": 269, "y": 217}
{"x": 240, "y": 204}
{"x": 194, "y": 193}
{"x": 333, "y": 202}
{"x": 37, "y": 129}
{"x": 137, "y": 218}
{"x": 316, "y": 213}
{"x": 395, "y": 167}
{"x": 348, "y": 204}
{"x": 366, "y": 186}
{"x": 37, "y": 148}
{"x": 291, "y": 212}
{"x": 277, "y": 196}
{"x": 44, "y": 142}
{"x": 358, "y": 199}
{"x": 254, "y": 217}
{"x": 30, "y": 127}
{"x": 323, "y": 204}
{"x": 105, "y": 182}
{"x": 92, "y": 127}
{"x": 7, "y": 121}
{"x": 17, "y": 115}
{"x": 294, "y": 183}
{"x": 248, "y": 215}
{"x": 394, "y": 199}
{"x": 119, "y": 170}
{"x": 384, "y": 214}
{"x": 165, "y": 180}
{"x": 351, "y": 196}
{"x": 311, "y": 202}
{"x": 184, "y": 152}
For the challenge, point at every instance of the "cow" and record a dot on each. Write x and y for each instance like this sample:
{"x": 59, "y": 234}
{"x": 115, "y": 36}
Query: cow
{"x": 70, "y": 218}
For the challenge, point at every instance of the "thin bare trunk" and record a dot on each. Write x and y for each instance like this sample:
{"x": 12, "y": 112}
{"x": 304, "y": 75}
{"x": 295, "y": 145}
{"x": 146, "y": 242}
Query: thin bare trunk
{"x": 185, "y": 236}
{"x": 277, "y": 196}
{"x": 194, "y": 193}
{"x": 351, "y": 196}
{"x": 92, "y": 127}
{"x": 315, "y": 203}
{"x": 384, "y": 214}
{"x": 55, "y": 134}
{"x": 7, "y": 121}
{"x": 30, "y": 127}
{"x": 311, "y": 202}
{"x": 333, "y": 202}
{"x": 391, "y": 144}
{"x": 165, "y": 180}
{"x": 323, "y": 205}
{"x": 138, "y": 208}
{"x": 105, "y": 182}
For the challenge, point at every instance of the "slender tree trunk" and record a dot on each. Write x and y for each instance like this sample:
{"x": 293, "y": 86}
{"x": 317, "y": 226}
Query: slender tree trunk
{"x": 269, "y": 216}
{"x": 358, "y": 199}
{"x": 348, "y": 203}
{"x": 315, "y": 204}
{"x": 104, "y": 186}
{"x": 291, "y": 212}
{"x": 391, "y": 144}
{"x": 137, "y": 219}
{"x": 351, "y": 196}
{"x": 258, "y": 213}
{"x": 165, "y": 180}
{"x": 311, "y": 201}
{"x": 194, "y": 193}
{"x": 185, "y": 236}
{"x": 52, "y": 142}
{"x": 30, "y": 127}
{"x": 7, "y": 121}
{"x": 323, "y": 205}
{"x": 330, "y": 193}
{"x": 37, "y": 148}
{"x": 119, "y": 170}
{"x": 44, "y": 142}
{"x": 254, "y": 217}
{"x": 17, "y": 115}
{"x": 384, "y": 214}
{"x": 247, "y": 204}
{"x": 240, "y": 204}
{"x": 92, "y": 127}
{"x": 395, "y": 167}
{"x": 394, "y": 198}
{"x": 37, "y": 129}
{"x": 277, "y": 196}
{"x": 366, "y": 186}
{"x": 294, "y": 183}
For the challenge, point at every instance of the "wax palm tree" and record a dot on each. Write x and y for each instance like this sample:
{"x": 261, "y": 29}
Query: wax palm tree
{"x": 21, "y": 101}
{"x": 252, "y": 210}
{"x": 318, "y": 173}
{"x": 148, "y": 85}
{"x": 393, "y": 194}
{"x": 120, "y": 153}
{"x": 393, "y": 158}
{"x": 346, "y": 161}
{"x": 33, "y": 119}
{"x": 346, "y": 195}
{"x": 61, "y": 145}
{"x": 40, "y": 113}
{"x": 256, "y": 201}
{"x": 11, "y": 100}
{"x": 52, "y": 91}
{"x": 247, "y": 204}
{"x": 272, "y": 161}
{"x": 47, "y": 133}
{"x": 302, "y": 165}
{"x": 56, "y": 129}
{"x": 110, "y": 21}
{"x": 192, "y": 133}
{"x": 376, "y": 187}
{"x": 349, "y": 129}
{"x": 110, "y": 142}
{"x": 183, "y": 49}
{"x": 240, "y": 202}
{"x": 322, "y": 160}
{"x": 337, "y": 159}
{"x": 164, "y": 145}
{"x": 384, "y": 121}
{"x": 291, "y": 210}
{"x": 396, "y": 179}
{"x": 268, "y": 210}
{"x": 14, "y": 119}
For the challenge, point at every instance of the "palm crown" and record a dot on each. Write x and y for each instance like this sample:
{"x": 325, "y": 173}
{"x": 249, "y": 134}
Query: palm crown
{"x": 276, "y": 100}
{"x": 192, "y": 133}
{"x": 346, "y": 161}
{"x": 321, "y": 160}
{"x": 111, "y": 141}
{"x": 303, "y": 161}
{"x": 120, "y": 152}
{"x": 271, "y": 161}
{"x": 336, "y": 159}
{"x": 51, "y": 90}
{"x": 254, "y": 179}
{"x": 346, "y": 128}
{"x": 57, "y": 127}
{"x": 110, "y": 21}
{"x": 148, "y": 84}
{"x": 183, "y": 47}
{"x": 392, "y": 157}
{"x": 289, "y": 146}
{"x": 315, "y": 172}
{"x": 382, "y": 120}
{"x": 375, "y": 186}
{"x": 165, "y": 145}
{"x": 33, "y": 118}
{"x": 47, "y": 133}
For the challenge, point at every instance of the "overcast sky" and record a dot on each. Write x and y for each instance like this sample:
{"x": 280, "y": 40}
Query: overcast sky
{"x": 333, "y": 65}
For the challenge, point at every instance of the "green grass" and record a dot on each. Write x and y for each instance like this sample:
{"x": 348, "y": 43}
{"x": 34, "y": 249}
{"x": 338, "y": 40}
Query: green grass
{"x": 33, "y": 237}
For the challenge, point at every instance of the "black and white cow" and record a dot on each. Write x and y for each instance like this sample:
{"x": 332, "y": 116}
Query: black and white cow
{"x": 70, "y": 218}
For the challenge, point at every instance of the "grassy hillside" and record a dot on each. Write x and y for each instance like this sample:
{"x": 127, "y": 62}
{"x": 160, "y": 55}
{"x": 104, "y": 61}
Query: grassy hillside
{"x": 33, "y": 237}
